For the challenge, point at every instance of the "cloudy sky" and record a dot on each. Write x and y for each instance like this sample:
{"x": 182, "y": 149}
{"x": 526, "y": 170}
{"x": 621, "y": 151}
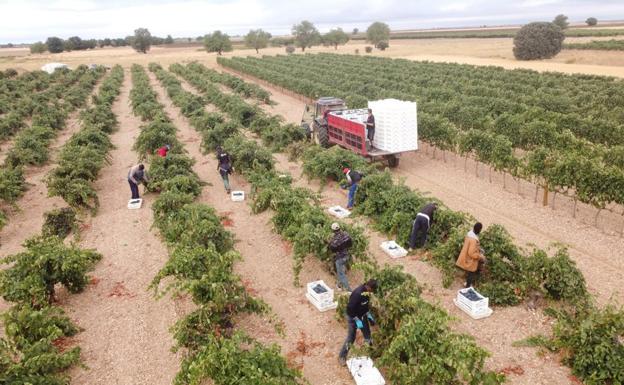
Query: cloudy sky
{"x": 23, "y": 21}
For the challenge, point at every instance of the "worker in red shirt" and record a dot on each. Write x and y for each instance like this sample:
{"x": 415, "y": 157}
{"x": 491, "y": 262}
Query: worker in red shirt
{"x": 162, "y": 152}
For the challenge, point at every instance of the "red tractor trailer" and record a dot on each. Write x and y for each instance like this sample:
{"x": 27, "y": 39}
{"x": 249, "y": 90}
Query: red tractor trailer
{"x": 329, "y": 122}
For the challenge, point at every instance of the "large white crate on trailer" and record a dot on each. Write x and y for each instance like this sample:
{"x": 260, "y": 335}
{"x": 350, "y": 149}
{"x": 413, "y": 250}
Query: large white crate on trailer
{"x": 396, "y": 125}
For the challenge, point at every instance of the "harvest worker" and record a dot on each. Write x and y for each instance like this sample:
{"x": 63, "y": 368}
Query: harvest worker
{"x": 421, "y": 225}
{"x": 136, "y": 175}
{"x": 471, "y": 257}
{"x": 162, "y": 152}
{"x": 353, "y": 177}
{"x": 358, "y": 316}
{"x": 224, "y": 166}
{"x": 340, "y": 245}
{"x": 370, "y": 127}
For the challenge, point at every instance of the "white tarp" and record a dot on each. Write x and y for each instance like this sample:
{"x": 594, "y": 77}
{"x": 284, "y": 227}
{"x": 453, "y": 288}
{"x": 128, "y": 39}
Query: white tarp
{"x": 51, "y": 67}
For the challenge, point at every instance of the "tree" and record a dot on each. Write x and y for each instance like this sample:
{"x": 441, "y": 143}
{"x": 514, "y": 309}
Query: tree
{"x": 141, "y": 41}
{"x": 257, "y": 38}
{"x": 355, "y": 31}
{"x": 168, "y": 40}
{"x": 217, "y": 42}
{"x": 539, "y": 40}
{"x": 378, "y": 32}
{"x": 74, "y": 43}
{"x": 592, "y": 21}
{"x": 306, "y": 35}
{"x": 335, "y": 37}
{"x": 38, "y": 47}
{"x": 54, "y": 44}
{"x": 383, "y": 45}
{"x": 561, "y": 21}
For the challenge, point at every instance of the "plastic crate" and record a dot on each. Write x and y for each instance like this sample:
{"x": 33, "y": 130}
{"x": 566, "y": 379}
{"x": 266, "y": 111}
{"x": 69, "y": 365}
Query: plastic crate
{"x": 315, "y": 289}
{"x": 238, "y": 196}
{"x": 473, "y": 304}
{"x": 364, "y": 372}
{"x": 396, "y": 125}
{"x": 321, "y": 306}
{"x": 339, "y": 212}
{"x": 393, "y": 249}
{"x": 134, "y": 204}
{"x": 475, "y": 308}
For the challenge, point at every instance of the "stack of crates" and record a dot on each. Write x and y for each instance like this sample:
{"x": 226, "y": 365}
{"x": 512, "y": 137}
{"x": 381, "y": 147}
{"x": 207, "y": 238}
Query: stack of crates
{"x": 396, "y": 126}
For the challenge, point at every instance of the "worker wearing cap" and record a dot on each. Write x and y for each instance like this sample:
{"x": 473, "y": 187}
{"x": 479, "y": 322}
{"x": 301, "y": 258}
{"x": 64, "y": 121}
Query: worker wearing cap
{"x": 340, "y": 244}
{"x": 421, "y": 226}
{"x": 162, "y": 152}
{"x": 353, "y": 177}
{"x": 358, "y": 316}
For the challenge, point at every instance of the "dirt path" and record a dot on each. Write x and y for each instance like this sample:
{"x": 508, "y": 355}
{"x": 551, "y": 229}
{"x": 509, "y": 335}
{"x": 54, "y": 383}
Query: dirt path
{"x": 126, "y": 338}
{"x": 598, "y": 255}
{"x": 267, "y": 269}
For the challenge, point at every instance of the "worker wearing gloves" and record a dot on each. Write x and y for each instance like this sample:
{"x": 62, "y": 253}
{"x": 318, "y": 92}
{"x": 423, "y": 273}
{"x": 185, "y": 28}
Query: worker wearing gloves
{"x": 136, "y": 175}
{"x": 421, "y": 226}
{"x": 340, "y": 244}
{"x": 358, "y": 316}
{"x": 471, "y": 257}
{"x": 224, "y": 166}
{"x": 353, "y": 178}
{"x": 370, "y": 127}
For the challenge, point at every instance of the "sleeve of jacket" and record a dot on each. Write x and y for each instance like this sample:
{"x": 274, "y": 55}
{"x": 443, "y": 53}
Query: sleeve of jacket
{"x": 473, "y": 249}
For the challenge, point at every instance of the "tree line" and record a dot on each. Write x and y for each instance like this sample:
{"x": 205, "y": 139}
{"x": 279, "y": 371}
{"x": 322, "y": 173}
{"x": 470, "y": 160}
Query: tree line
{"x": 304, "y": 35}
{"x": 56, "y": 44}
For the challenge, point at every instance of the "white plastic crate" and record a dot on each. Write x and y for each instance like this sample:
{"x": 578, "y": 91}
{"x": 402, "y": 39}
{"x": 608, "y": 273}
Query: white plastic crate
{"x": 476, "y": 309}
{"x": 238, "y": 196}
{"x": 393, "y": 249}
{"x": 396, "y": 125}
{"x": 339, "y": 212}
{"x": 364, "y": 371}
{"x": 134, "y": 204}
{"x": 321, "y": 306}
{"x": 320, "y": 291}
{"x": 476, "y": 305}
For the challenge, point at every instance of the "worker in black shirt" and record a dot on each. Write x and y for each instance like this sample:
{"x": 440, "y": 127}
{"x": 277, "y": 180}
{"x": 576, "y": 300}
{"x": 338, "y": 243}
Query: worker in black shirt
{"x": 370, "y": 127}
{"x": 358, "y": 316}
{"x": 421, "y": 226}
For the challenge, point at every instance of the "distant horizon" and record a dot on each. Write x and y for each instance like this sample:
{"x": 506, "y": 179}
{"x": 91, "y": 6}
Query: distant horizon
{"x": 29, "y": 21}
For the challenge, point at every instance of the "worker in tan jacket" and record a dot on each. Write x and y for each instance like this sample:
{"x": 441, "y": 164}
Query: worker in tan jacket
{"x": 471, "y": 257}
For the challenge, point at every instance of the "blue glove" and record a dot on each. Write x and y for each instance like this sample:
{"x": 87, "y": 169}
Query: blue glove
{"x": 370, "y": 318}
{"x": 358, "y": 323}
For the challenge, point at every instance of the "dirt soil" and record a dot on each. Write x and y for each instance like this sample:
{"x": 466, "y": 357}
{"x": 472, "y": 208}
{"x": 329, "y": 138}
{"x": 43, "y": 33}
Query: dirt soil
{"x": 126, "y": 338}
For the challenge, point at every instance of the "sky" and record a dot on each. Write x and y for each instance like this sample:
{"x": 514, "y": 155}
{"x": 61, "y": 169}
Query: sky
{"x": 25, "y": 21}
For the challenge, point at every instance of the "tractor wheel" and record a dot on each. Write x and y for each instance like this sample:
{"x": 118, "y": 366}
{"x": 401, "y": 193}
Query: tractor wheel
{"x": 322, "y": 138}
{"x": 393, "y": 161}
{"x": 307, "y": 130}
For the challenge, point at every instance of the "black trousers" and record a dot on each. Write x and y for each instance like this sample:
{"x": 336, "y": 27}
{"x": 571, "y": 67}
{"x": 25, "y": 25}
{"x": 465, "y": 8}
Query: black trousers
{"x": 420, "y": 229}
{"x": 134, "y": 189}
